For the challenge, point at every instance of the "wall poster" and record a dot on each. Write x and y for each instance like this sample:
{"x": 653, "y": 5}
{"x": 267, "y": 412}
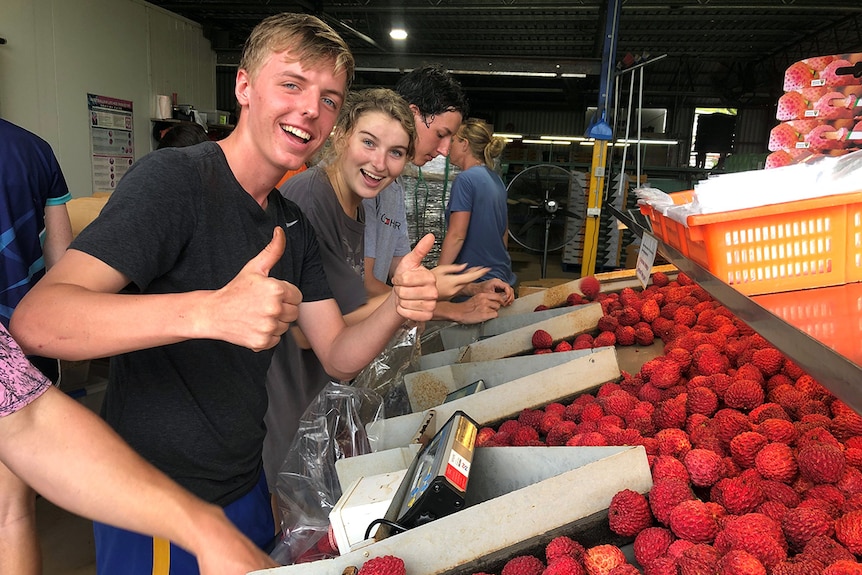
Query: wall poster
{"x": 111, "y": 140}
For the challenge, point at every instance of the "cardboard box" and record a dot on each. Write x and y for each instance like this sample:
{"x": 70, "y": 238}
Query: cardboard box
{"x": 84, "y": 210}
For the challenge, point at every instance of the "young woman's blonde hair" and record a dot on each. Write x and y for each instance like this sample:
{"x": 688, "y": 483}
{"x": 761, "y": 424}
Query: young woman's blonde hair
{"x": 309, "y": 39}
{"x": 483, "y": 144}
{"x": 362, "y": 102}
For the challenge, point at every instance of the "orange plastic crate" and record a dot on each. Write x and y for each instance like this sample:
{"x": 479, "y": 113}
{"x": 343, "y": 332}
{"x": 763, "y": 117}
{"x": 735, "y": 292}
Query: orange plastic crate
{"x": 777, "y": 248}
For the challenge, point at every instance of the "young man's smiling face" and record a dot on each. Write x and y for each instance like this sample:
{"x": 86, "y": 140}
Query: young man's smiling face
{"x": 290, "y": 109}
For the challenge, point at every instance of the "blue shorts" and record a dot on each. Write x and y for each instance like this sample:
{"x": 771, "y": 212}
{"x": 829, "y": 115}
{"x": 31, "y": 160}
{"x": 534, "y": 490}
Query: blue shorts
{"x": 130, "y": 553}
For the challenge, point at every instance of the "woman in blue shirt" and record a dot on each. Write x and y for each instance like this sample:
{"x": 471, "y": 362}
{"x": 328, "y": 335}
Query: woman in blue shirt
{"x": 477, "y": 223}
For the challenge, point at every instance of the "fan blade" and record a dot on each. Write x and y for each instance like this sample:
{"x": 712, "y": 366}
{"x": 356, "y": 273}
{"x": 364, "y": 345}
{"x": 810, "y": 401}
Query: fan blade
{"x": 529, "y": 224}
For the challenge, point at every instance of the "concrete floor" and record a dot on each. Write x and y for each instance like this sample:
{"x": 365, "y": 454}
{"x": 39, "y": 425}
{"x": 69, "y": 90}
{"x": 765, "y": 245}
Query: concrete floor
{"x": 67, "y": 540}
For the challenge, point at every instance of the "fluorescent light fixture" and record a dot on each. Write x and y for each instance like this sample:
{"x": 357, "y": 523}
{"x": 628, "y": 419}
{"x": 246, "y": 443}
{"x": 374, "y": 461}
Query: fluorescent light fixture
{"x": 573, "y": 75}
{"x": 505, "y": 73}
{"x": 398, "y": 34}
{"x": 613, "y": 144}
{"x": 567, "y": 138}
{"x": 624, "y": 142}
{"x": 650, "y": 142}
{"x": 509, "y": 136}
{"x": 552, "y": 142}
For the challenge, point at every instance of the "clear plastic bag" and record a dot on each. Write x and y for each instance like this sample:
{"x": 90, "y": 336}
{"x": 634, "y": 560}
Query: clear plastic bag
{"x": 385, "y": 375}
{"x": 332, "y": 428}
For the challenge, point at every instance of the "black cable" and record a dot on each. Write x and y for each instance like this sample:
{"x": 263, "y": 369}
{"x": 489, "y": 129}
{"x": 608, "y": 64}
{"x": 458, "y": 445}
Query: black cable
{"x": 392, "y": 524}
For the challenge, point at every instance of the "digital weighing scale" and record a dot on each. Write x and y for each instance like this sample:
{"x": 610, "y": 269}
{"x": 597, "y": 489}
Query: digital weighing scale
{"x": 436, "y": 481}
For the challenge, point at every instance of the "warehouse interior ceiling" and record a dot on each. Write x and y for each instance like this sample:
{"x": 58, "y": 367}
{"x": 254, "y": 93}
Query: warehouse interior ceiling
{"x": 523, "y": 54}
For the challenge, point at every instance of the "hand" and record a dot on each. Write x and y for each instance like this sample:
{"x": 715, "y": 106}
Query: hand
{"x": 253, "y": 310}
{"x": 414, "y": 286}
{"x": 481, "y": 307}
{"x": 227, "y": 552}
{"x": 452, "y": 278}
{"x": 496, "y": 285}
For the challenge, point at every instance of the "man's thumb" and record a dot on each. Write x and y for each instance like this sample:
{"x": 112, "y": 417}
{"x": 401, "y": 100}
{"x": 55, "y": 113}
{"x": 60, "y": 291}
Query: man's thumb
{"x": 423, "y": 246}
{"x": 270, "y": 255}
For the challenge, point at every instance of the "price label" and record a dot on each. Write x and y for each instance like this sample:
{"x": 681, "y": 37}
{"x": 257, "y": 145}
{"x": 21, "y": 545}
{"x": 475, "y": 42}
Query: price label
{"x": 646, "y": 257}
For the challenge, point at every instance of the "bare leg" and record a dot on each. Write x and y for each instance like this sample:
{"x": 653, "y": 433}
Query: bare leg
{"x": 19, "y": 542}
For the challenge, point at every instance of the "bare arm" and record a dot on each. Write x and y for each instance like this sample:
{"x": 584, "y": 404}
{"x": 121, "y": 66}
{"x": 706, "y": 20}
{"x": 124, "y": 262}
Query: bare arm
{"x": 70, "y": 456}
{"x": 344, "y": 350}
{"x": 75, "y": 312}
{"x": 58, "y": 233}
{"x": 455, "y": 235}
{"x": 374, "y": 286}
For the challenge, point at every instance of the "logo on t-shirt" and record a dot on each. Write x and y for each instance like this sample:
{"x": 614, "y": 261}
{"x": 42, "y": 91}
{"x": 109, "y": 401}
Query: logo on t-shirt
{"x": 387, "y": 221}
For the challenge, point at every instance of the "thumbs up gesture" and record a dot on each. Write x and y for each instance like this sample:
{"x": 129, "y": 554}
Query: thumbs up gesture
{"x": 253, "y": 310}
{"x": 415, "y": 286}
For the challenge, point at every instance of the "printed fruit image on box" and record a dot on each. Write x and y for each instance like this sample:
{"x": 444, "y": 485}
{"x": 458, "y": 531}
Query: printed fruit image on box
{"x": 824, "y": 71}
{"x": 823, "y": 103}
{"x": 816, "y": 135}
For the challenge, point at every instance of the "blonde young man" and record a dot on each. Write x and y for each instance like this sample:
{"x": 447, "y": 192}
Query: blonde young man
{"x": 214, "y": 266}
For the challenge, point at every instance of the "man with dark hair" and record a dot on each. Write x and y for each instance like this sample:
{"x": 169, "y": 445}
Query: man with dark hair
{"x": 439, "y": 106}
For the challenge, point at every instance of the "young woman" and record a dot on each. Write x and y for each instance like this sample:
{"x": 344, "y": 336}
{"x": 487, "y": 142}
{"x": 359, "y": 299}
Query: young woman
{"x": 477, "y": 229}
{"x": 372, "y": 141}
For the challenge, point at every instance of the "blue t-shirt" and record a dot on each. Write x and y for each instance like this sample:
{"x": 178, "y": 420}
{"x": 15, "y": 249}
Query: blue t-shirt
{"x": 481, "y": 192}
{"x": 30, "y": 179}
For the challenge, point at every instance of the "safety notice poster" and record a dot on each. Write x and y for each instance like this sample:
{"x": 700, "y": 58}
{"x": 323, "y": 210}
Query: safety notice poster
{"x": 111, "y": 140}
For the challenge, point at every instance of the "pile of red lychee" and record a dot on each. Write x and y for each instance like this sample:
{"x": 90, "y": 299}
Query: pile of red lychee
{"x": 756, "y": 467}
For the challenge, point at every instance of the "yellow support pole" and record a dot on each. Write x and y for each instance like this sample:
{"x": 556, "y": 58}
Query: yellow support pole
{"x": 594, "y": 207}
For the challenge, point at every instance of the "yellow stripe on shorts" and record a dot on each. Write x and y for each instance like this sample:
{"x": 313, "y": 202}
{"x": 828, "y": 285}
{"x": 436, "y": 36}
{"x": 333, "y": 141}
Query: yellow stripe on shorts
{"x": 161, "y": 556}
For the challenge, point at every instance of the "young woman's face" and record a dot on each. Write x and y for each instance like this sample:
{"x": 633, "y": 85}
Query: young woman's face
{"x": 373, "y": 154}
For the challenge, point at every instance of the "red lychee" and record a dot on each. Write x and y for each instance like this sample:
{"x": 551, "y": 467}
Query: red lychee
{"x": 693, "y": 520}
{"x": 776, "y": 462}
{"x": 820, "y": 462}
{"x": 704, "y": 466}
{"x": 523, "y": 565}
{"x": 803, "y": 523}
{"x": 563, "y": 546}
{"x": 629, "y": 513}
{"x": 590, "y": 287}
{"x": 601, "y": 559}
{"x": 383, "y": 565}
{"x": 542, "y": 339}
{"x": 651, "y": 543}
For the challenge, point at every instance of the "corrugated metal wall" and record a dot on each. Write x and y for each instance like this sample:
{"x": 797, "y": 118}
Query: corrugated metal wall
{"x": 540, "y": 122}
{"x": 752, "y": 130}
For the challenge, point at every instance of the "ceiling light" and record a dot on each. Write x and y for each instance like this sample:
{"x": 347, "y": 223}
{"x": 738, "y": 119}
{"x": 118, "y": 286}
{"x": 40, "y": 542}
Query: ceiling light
{"x": 557, "y": 142}
{"x": 398, "y": 34}
{"x": 567, "y": 138}
{"x": 509, "y": 136}
{"x": 505, "y": 73}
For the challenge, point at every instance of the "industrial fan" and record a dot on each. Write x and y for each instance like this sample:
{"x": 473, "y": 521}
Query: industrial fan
{"x": 547, "y": 209}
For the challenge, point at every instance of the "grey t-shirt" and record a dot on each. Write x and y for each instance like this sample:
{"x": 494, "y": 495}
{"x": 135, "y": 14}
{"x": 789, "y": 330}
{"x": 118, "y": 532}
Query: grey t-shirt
{"x": 340, "y": 237}
{"x": 296, "y": 375}
{"x": 386, "y": 229}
